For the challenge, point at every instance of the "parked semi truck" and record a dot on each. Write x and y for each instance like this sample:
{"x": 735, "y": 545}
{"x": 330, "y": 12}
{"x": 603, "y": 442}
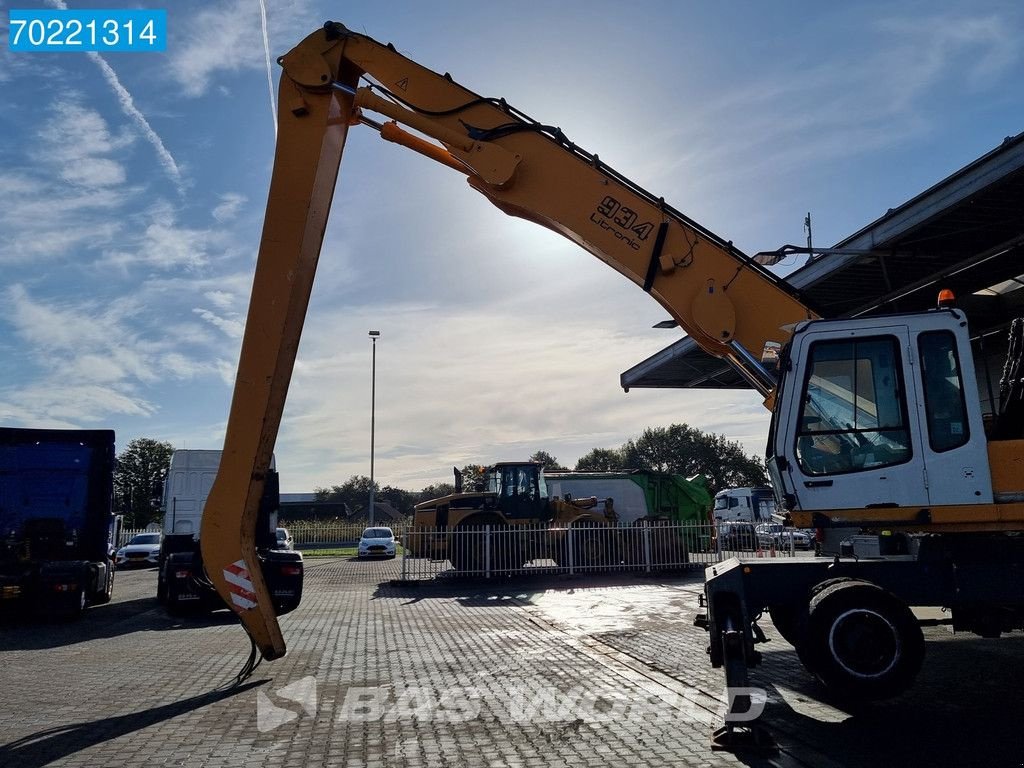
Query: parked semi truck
{"x": 876, "y": 421}
{"x": 182, "y": 583}
{"x": 56, "y": 520}
{"x": 747, "y": 505}
{"x": 639, "y": 494}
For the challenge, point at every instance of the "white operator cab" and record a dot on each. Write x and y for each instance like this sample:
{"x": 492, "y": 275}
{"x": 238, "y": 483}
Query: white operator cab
{"x": 872, "y": 413}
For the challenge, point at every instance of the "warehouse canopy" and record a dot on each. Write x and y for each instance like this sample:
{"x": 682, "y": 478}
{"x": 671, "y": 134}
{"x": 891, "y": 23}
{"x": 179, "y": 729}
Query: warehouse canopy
{"x": 964, "y": 233}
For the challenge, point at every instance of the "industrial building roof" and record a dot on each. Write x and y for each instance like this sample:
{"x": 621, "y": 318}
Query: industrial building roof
{"x": 966, "y": 232}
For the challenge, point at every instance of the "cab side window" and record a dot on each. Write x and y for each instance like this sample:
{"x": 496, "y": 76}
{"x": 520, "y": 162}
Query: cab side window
{"x": 943, "y": 391}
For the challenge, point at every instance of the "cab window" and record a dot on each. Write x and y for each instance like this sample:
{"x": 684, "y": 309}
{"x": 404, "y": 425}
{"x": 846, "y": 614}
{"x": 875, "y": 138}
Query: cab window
{"x": 527, "y": 482}
{"x": 853, "y": 413}
{"x": 943, "y": 391}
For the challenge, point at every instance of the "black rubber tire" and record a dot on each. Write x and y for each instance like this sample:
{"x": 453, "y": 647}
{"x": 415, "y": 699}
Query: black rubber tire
{"x": 861, "y": 642}
{"x": 596, "y": 546}
{"x": 467, "y": 554}
{"x": 174, "y": 606}
{"x": 588, "y": 549}
{"x": 75, "y": 605}
{"x": 790, "y": 621}
{"x": 506, "y": 550}
{"x": 103, "y": 596}
{"x": 807, "y": 659}
{"x": 161, "y": 587}
{"x": 469, "y": 542}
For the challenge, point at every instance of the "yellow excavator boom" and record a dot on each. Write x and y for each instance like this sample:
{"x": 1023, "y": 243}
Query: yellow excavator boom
{"x": 729, "y": 305}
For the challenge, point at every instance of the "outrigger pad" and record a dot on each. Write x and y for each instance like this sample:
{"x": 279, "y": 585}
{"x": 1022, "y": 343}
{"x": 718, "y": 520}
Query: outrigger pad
{"x": 743, "y": 738}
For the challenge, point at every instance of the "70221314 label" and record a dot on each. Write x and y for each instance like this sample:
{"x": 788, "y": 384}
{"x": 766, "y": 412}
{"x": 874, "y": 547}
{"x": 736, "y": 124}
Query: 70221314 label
{"x": 87, "y": 30}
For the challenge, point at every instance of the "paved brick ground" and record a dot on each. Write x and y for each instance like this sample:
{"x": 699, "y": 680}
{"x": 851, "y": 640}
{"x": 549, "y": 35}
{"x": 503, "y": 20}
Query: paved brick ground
{"x": 555, "y": 673}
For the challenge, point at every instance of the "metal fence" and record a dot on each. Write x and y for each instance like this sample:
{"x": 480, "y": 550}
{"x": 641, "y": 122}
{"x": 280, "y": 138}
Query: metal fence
{"x": 327, "y": 534}
{"x": 488, "y": 551}
{"x": 125, "y": 535}
{"x": 305, "y": 535}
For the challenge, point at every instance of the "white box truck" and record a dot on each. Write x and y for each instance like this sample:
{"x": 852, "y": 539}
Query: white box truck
{"x": 182, "y": 583}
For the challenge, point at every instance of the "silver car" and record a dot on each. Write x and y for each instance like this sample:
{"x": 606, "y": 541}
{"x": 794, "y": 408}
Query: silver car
{"x": 778, "y": 536}
{"x": 142, "y": 549}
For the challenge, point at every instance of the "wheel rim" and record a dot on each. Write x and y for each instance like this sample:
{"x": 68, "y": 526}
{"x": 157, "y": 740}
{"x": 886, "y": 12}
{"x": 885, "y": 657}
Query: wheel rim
{"x": 865, "y": 643}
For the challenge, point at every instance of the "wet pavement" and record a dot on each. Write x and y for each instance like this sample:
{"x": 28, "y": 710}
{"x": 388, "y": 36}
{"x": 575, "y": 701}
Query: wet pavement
{"x": 556, "y": 671}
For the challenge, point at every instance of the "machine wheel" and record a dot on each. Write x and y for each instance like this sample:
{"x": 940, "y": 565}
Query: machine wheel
{"x": 861, "y": 642}
{"x": 161, "y": 586}
{"x": 595, "y": 545}
{"x": 75, "y": 605}
{"x": 174, "y": 606}
{"x": 789, "y": 621}
{"x": 103, "y": 596}
{"x": 469, "y": 548}
{"x": 506, "y": 550}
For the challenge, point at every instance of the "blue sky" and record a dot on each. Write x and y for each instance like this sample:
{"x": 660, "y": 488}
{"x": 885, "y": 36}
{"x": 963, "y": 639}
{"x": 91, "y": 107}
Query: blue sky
{"x": 132, "y": 189}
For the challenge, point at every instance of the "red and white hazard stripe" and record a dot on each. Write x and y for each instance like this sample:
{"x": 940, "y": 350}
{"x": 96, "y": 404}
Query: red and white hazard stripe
{"x": 240, "y": 585}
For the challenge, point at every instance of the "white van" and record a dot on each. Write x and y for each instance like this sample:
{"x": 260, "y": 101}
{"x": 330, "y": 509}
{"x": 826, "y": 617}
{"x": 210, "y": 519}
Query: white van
{"x": 745, "y": 505}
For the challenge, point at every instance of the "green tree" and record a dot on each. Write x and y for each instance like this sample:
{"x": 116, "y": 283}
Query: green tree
{"x": 398, "y": 498}
{"x": 685, "y": 450}
{"x": 550, "y": 462}
{"x": 601, "y": 460}
{"x": 472, "y": 476}
{"x": 354, "y": 492}
{"x": 138, "y": 480}
{"x": 435, "y": 491}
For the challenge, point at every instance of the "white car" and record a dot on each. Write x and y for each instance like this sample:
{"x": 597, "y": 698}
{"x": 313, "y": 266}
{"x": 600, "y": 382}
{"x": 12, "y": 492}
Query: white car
{"x": 284, "y": 539}
{"x": 142, "y": 549}
{"x": 377, "y": 542}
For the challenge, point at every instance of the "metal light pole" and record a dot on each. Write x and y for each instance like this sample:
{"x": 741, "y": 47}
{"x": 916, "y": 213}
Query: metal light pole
{"x": 374, "y": 335}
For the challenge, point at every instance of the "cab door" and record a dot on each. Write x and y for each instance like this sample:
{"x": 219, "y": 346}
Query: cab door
{"x": 845, "y": 436}
{"x": 954, "y": 442}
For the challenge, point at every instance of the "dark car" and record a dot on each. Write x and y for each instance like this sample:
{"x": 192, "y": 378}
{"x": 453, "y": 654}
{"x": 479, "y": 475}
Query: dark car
{"x": 737, "y": 536}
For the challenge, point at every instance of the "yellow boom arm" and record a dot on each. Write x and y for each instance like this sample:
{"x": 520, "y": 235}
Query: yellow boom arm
{"x": 728, "y": 304}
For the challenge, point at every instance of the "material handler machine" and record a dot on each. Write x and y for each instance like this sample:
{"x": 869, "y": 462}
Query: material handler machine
{"x": 876, "y": 423}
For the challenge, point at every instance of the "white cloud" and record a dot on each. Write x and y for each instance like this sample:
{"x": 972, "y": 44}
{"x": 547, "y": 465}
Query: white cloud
{"x": 197, "y": 54}
{"x": 54, "y": 403}
{"x": 127, "y": 104}
{"x": 943, "y": 47}
{"x": 458, "y": 386}
{"x": 77, "y": 143}
{"x": 232, "y": 326}
{"x": 165, "y": 244}
{"x": 75, "y": 172}
{"x": 230, "y": 204}
{"x": 92, "y": 359}
{"x": 220, "y": 299}
{"x": 796, "y": 115}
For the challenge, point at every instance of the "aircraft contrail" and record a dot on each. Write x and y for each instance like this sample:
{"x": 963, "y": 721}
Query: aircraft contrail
{"x": 270, "y": 74}
{"x": 129, "y": 108}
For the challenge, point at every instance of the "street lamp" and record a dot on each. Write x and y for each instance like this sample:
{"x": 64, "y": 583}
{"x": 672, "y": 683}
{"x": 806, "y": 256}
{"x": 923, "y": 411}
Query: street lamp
{"x": 374, "y": 335}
